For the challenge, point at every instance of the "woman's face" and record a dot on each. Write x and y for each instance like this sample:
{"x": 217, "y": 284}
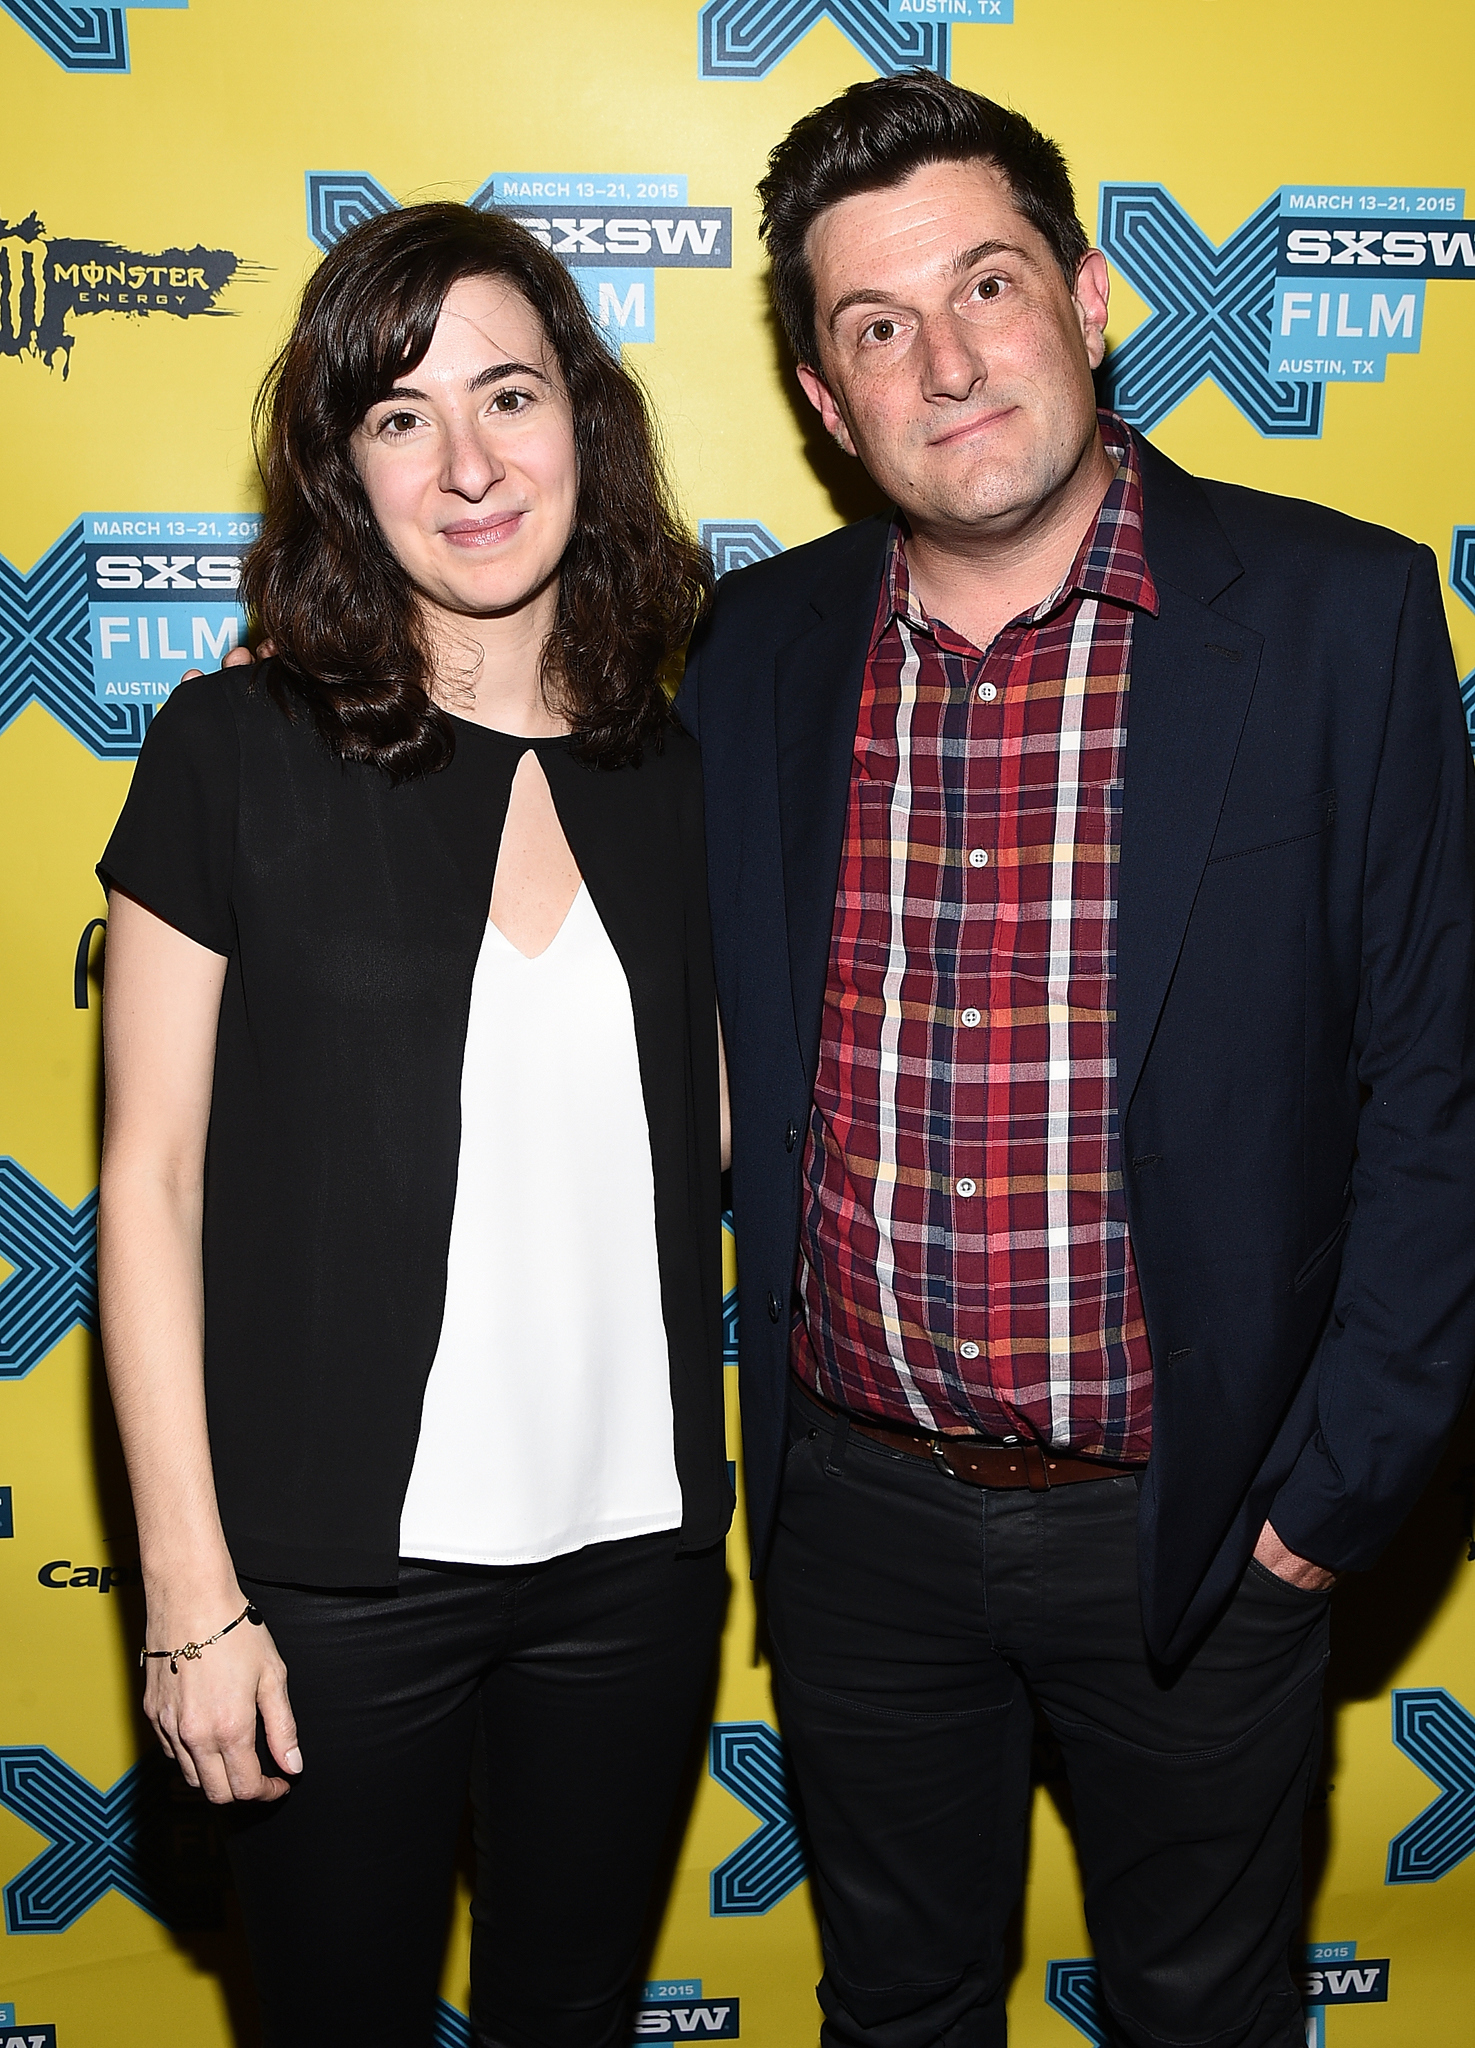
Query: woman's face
{"x": 469, "y": 462}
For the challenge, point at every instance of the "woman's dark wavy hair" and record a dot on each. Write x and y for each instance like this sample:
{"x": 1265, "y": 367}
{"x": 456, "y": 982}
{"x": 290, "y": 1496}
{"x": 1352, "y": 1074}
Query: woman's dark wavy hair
{"x": 350, "y": 638}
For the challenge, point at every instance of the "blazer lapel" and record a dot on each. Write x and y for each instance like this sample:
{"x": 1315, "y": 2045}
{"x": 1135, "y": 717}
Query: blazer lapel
{"x": 817, "y": 685}
{"x": 1193, "y": 674}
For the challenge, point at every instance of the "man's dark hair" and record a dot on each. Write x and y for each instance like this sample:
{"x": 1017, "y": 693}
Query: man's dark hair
{"x": 350, "y": 638}
{"x": 875, "y": 135}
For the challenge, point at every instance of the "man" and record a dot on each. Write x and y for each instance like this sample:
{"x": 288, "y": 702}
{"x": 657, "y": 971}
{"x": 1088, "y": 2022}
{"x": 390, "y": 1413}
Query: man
{"x": 1092, "y": 884}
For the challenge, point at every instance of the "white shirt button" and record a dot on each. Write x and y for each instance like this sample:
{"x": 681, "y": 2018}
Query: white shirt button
{"x": 967, "y": 1187}
{"x": 968, "y": 1349}
{"x": 972, "y": 1017}
{"x": 987, "y": 693}
{"x": 978, "y": 858}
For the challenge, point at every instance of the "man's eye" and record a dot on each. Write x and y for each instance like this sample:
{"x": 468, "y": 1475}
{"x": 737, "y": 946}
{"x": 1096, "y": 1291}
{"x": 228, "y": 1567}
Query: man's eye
{"x": 880, "y": 330}
{"x": 989, "y": 287}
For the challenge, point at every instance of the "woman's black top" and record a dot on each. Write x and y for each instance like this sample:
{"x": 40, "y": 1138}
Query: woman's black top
{"x": 351, "y": 912}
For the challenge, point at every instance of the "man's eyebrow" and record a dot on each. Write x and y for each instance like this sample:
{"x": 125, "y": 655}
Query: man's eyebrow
{"x": 981, "y": 251}
{"x": 873, "y": 295}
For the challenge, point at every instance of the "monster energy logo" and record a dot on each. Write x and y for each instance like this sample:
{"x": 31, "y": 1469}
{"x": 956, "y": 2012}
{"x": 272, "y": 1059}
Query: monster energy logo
{"x": 45, "y": 283}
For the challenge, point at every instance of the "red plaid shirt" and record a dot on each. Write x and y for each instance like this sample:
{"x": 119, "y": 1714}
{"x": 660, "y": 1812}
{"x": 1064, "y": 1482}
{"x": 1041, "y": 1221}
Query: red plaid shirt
{"x": 965, "y": 1263}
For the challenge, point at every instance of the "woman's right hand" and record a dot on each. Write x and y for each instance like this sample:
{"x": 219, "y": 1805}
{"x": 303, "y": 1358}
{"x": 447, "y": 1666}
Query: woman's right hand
{"x": 204, "y": 1714}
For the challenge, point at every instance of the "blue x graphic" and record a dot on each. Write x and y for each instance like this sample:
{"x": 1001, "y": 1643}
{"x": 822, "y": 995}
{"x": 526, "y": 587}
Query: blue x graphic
{"x": 1431, "y": 1727}
{"x": 746, "y": 38}
{"x": 94, "y": 1841}
{"x": 1072, "y": 1988}
{"x": 1210, "y": 317}
{"x": 80, "y": 38}
{"x": 736, "y": 543}
{"x": 339, "y": 200}
{"x": 44, "y": 652}
{"x": 54, "y": 1286}
{"x": 1462, "y": 582}
{"x": 452, "y": 2028}
{"x": 747, "y": 1759}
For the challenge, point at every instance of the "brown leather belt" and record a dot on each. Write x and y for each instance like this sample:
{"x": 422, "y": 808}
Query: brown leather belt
{"x": 973, "y": 1459}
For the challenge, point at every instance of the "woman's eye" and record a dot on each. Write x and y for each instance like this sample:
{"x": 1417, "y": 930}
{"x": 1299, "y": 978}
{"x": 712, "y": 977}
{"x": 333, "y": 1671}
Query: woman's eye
{"x": 397, "y": 423}
{"x": 509, "y": 401}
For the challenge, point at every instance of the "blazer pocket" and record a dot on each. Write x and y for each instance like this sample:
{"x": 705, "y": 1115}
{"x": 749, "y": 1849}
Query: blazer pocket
{"x": 1255, "y": 828}
{"x": 1315, "y": 1259}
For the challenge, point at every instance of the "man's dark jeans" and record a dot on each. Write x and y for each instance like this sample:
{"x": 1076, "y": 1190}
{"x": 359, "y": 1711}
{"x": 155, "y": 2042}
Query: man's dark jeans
{"x": 914, "y": 1619}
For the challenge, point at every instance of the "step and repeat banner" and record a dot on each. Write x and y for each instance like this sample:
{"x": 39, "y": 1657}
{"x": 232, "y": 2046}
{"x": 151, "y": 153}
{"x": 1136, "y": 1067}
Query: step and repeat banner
{"x": 1282, "y": 194}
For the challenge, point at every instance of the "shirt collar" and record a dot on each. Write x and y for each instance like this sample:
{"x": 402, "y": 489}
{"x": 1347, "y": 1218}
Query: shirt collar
{"x": 1109, "y": 563}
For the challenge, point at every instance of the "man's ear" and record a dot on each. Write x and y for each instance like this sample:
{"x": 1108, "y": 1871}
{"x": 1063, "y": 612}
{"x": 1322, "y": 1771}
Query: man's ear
{"x": 1091, "y": 295}
{"x": 822, "y": 399}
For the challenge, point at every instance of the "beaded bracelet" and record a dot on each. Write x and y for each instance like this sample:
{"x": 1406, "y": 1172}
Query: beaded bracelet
{"x": 189, "y": 1651}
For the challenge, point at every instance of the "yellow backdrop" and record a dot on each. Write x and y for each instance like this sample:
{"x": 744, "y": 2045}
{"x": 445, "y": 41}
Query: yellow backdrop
{"x": 157, "y": 217}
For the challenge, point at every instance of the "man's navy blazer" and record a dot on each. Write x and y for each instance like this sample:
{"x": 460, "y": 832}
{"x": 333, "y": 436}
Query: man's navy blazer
{"x": 1295, "y": 994}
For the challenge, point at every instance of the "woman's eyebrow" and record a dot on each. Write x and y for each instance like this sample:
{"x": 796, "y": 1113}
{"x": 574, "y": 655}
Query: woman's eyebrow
{"x": 498, "y": 371}
{"x": 493, "y": 374}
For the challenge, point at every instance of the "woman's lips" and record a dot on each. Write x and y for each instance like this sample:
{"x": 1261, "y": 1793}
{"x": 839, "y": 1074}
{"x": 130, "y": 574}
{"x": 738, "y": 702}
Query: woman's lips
{"x": 482, "y": 533}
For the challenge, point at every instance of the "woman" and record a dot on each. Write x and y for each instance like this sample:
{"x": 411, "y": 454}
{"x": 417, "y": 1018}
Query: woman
{"x": 409, "y": 1234}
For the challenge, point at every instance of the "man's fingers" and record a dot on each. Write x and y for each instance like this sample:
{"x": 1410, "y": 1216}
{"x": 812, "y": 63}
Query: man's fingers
{"x": 238, "y": 657}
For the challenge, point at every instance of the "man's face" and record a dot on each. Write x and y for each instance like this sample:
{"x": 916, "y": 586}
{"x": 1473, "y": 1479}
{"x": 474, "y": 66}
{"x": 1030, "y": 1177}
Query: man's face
{"x": 954, "y": 360}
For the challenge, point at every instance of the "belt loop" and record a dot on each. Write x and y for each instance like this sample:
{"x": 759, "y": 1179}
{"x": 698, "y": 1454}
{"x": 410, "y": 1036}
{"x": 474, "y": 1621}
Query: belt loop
{"x": 835, "y": 1455}
{"x": 1035, "y": 1469}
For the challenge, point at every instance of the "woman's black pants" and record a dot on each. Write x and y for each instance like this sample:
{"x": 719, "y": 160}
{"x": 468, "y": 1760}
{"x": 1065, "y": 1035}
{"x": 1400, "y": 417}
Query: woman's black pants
{"x": 565, "y": 1696}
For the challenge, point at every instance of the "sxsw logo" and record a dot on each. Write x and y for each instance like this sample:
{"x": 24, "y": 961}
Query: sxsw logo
{"x": 161, "y": 595}
{"x": 49, "y": 281}
{"x": 677, "y": 2011}
{"x": 27, "y": 2034}
{"x": 613, "y": 230}
{"x": 1282, "y": 308}
{"x": 81, "y": 38}
{"x": 1330, "y": 1976}
{"x": 100, "y": 630}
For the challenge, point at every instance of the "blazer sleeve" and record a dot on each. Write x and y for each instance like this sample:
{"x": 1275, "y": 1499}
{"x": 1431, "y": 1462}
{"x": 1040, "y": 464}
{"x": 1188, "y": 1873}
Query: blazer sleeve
{"x": 1394, "y": 1365}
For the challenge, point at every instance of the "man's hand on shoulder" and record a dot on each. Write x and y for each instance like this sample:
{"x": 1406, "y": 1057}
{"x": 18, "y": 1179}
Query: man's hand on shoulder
{"x": 238, "y": 657}
{"x": 1296, "y": 1571}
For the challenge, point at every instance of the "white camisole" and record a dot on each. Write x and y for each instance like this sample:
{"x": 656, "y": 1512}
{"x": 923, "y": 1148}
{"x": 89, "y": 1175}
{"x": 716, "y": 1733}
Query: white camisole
{"x": 547, "y": 1417}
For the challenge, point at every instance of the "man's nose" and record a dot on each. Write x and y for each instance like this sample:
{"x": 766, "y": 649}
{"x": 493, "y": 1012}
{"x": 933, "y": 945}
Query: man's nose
{"x": 952, "y": 363}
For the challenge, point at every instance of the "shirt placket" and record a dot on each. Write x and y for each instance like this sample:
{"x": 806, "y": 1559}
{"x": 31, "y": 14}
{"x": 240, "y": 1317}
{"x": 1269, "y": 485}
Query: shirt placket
{"x": 980, "y": 847}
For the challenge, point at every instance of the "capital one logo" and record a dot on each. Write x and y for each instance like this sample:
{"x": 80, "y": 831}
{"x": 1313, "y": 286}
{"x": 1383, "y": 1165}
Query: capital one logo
{"x": 1280, "y": 309}
{"x": 81, "y": 38}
